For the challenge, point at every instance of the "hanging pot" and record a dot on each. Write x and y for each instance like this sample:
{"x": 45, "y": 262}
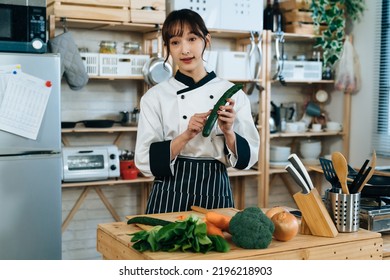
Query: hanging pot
{"x": 155, "y": 70}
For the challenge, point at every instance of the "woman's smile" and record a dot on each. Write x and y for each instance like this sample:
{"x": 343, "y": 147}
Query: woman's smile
{"x": 187, "y": 60}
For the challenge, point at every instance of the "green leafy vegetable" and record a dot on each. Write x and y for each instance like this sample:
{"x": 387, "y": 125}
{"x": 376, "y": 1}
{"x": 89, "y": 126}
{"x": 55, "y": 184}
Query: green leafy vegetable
{"x": 189, "y": 235}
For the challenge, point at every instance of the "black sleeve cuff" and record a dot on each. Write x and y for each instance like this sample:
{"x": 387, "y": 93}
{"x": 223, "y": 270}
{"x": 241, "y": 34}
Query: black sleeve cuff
{"x": 160, "y": 158}
{"x": 243, "y": 152}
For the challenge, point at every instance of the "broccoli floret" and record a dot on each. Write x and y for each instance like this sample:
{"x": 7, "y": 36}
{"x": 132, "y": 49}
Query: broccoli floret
{"x": 251, "y": 229}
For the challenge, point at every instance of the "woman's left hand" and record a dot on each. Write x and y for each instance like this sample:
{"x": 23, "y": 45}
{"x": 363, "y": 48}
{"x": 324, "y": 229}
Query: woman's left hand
{"x": 226, "y": 117}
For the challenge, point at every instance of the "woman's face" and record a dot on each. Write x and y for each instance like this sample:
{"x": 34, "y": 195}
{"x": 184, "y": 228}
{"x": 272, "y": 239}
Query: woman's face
{"x": 186, "y": 52}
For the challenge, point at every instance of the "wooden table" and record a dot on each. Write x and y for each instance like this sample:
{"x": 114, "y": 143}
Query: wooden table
{"x": 386, "y": 245}
{"x": 113, "y": 242}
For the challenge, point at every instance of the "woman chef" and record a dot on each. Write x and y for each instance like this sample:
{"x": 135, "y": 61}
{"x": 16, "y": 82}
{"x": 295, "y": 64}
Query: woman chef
{"x": 190, "y": 169}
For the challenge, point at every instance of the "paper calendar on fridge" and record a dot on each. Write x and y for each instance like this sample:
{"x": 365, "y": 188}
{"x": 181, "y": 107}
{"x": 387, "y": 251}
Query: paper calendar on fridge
{"x": 23, "y": 100}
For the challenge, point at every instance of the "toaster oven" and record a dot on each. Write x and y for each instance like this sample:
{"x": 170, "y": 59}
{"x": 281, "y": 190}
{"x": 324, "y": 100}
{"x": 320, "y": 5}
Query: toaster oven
{"x": 90, "y": 163}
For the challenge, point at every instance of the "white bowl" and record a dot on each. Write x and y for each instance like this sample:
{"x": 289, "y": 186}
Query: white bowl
{"x": 279, "y": 153}
{"x": 310, "y": 149}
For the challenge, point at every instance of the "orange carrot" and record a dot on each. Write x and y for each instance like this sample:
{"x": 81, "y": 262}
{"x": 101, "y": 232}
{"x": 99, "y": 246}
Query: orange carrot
{"x": 219, "y": 220}
{"x": 213, "y": 229}
{"x": 181, "y": 217}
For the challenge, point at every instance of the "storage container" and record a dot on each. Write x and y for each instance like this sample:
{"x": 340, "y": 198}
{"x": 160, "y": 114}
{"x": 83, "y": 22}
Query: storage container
{"x": 244, "y": 15}
{"x": 233, "y": 65}
{"x": 241, "y": 15}
{"x": 302, "y": 70}
{"x": 131, "y": 48}
{"x": 209, "y": 10}
{"x": 210, "y": 60}
{"x": 108, "y": 47}
{"x": 91, "y": 63}
{"x": 344, "y": 210}
{"x": 121, "y": 64}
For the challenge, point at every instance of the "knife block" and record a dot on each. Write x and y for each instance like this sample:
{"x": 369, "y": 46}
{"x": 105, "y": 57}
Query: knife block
{"x": 315, "y": 217}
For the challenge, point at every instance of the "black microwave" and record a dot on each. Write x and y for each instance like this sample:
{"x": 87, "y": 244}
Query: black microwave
{"x": 23, "y": 26}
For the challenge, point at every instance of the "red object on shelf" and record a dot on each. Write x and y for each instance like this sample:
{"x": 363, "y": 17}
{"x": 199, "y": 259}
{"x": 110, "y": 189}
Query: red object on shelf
{"x": 128, "y": 174}
{"x": 126, "y": 164}
{"x": 128, "y": 170}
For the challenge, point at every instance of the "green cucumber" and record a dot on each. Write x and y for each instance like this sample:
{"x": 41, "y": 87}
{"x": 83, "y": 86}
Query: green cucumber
{"x": 150, "y": 221}
{"x": 222, "y": 101}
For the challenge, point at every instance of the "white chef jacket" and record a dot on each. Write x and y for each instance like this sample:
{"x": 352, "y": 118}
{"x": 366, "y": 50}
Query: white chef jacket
{"x": 165, "y": 110}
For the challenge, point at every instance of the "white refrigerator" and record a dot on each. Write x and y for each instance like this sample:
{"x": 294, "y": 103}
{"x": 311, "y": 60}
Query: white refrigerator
{"x": 31, "y": 171}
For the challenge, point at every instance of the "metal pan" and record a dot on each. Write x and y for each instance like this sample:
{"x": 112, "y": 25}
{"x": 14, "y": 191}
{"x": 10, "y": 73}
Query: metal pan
{"x": 155, "y": 70}
{"x": 68, "y": 124}
{"x": 377, "y": 186}
{"x": 98, "y": 123}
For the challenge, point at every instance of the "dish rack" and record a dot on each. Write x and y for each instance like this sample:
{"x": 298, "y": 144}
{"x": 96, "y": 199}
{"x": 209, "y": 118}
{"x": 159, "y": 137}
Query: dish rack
{"x": 114, "y": 65}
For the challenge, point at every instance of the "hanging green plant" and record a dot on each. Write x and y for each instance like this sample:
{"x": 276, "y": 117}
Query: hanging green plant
{"x": 334, "y": 14}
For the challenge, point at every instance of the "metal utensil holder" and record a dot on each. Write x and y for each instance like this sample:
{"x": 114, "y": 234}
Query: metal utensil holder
{"x": 344, "y": 210}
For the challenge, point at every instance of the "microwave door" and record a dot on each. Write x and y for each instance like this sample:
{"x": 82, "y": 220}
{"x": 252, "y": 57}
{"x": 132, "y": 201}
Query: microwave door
{"x": 13, "y": 23}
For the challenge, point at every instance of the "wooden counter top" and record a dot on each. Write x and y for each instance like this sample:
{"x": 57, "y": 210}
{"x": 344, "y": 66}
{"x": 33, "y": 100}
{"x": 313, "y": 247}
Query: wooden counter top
{"x": 386, "y": 245}
{"x": 113, "y": 242}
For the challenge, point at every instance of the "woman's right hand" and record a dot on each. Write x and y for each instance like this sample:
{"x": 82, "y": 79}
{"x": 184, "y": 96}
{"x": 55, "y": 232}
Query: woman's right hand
{"x": 196, "y": 124}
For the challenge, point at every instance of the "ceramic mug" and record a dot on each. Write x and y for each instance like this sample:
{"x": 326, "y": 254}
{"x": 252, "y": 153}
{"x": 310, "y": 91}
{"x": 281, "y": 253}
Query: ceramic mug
{"x": 333, "y": 126}
{"x": 301, "y": 126}
{"x": 313, "y": 109}
{"x": 316, "y": 127}
{"x": 291, "y": 127}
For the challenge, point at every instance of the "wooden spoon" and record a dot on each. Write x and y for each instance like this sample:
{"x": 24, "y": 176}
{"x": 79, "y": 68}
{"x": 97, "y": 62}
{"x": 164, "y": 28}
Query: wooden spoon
{"x": 341, "y": 168}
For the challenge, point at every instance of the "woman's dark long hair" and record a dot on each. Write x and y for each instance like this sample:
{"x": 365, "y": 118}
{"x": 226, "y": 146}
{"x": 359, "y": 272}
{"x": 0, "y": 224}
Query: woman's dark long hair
{"x": 176, "y": 21}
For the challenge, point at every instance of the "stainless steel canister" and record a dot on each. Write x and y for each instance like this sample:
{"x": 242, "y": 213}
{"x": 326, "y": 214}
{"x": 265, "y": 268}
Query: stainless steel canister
{"x": 344, "y": 210}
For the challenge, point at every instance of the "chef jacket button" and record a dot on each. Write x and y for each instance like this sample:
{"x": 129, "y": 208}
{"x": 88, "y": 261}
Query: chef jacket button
{"x": 182, "y": 97}
{"x": 185, "y": 117}
{"x": 211, "y": 96}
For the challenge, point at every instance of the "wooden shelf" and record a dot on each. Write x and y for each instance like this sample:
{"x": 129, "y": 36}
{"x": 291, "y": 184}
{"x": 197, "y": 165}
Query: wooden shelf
{"x": 298, "y": 37}
{"x": 306, "y": 82}
{"x": 113, "y": 78}
{"x": 137, "y": 27}
{"x": 114, "y": 129}
{"x": 237, "y": 173}
{"x": 106, "y": 25}
{"x": 304, "y": 134}
{"x": 220, "y": 33}
{"x": 271, "y": 86}
{"x": 111, "y": 182}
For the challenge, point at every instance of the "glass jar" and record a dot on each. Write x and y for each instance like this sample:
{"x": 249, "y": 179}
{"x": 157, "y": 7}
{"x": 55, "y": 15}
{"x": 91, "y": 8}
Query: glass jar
{"x": 107, "y": 47}
{"x": 131, "y": 48}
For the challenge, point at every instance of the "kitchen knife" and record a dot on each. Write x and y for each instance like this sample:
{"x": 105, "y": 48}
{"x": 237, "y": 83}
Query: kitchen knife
{"x": 298, "y": 178}
{"x": 297, "y": 163}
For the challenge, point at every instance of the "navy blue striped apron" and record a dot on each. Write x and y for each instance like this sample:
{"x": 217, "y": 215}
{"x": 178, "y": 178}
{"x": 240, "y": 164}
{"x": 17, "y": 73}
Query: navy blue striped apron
{"x": 200, "y": 182}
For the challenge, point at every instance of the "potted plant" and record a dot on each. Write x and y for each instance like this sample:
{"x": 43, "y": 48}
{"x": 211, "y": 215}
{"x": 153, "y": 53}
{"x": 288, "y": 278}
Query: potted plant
{"x": 335, "y": 14}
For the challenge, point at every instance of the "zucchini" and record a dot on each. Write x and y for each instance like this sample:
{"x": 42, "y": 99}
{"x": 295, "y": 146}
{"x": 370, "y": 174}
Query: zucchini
{"x": 150, "y": 221}
{"x": 222, "y": 101}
